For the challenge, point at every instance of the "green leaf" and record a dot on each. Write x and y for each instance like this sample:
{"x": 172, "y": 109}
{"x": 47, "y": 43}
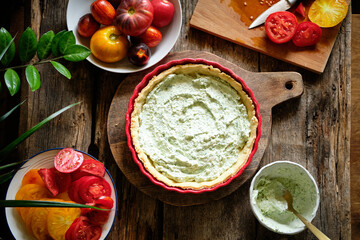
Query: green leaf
{"x": 66, "y": 40}
{"x": 76, "y": 53}
{"x": 55, "y": 43}
{"x": 7, "y": 47}
{"x": 44, "y": 46}
{"x": 33, "y": 77}
{"x": 27, "y": 45}
{"x": 3, "y": 117}
{"x": 39, "y": 203}
{"x": 61, "y": 69}
{"x": 7, "y": 176}
{"x": 11, "y": 165}
{"x": 5, "y": 151}
{"x": 12, "y": 81}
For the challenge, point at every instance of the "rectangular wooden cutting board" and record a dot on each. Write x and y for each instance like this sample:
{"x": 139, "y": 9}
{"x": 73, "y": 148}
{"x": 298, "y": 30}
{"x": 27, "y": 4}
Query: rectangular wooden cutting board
{"x": 227, "y": 19}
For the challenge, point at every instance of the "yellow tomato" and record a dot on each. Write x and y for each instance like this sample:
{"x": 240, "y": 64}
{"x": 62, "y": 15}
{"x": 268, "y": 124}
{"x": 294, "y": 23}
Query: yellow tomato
{"x": 60, "y": 219}
{"x": 32, "y": 176}
{"x": 109, "y": 45}
{"x": 328, "y": 13}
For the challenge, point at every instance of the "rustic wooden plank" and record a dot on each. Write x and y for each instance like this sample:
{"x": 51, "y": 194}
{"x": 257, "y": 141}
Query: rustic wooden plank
{"x": 355, "y": 126}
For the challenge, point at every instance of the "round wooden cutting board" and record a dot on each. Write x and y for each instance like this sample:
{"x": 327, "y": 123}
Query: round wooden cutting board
{"x": 269, "y": 89}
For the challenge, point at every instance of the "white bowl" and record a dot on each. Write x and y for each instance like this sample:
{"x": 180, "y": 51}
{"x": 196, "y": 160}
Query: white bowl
{"x": 306, "y": 183}
{"x": 77, "y": 8}
{"x": 45, "y": 159}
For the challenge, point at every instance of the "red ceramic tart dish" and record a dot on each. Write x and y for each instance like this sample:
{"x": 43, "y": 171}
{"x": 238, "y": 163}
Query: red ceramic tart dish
{"x": 155, "y": 166}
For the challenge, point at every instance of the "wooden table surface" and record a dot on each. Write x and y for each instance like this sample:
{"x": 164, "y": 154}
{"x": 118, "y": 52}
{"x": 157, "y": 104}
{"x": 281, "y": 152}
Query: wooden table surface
{"x": 313, "y": 130}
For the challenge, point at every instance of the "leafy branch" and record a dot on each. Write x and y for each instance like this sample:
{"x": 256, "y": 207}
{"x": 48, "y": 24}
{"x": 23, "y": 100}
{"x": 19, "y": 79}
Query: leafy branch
{"x": 60, "y": 45}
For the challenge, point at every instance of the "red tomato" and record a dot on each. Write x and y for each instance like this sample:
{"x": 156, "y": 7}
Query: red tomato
{"x": 87, "y": 25}
{"x": 68, "y": 160}
{"x": 139, "y": 54}
{"x": 103, "y": 12}
{"x": 93, "y": 187}
{"x": 163, "y": 12}
{"x": 300, "y": 10}
{"x": 88, "y": 168}
{"x": 99, "y": 217}
{"x": 48, "y": 176}
{"x": 280, "y": 27}
{"x": 63, "y": 180}
{"x": 108, "y": 44}
{"x": 151, "y": 37}
{"x": 133, "y": 17}
{"x": 307, "y": 34}
{"x": 81, "y": 229}
{"x": 74, "y": 191}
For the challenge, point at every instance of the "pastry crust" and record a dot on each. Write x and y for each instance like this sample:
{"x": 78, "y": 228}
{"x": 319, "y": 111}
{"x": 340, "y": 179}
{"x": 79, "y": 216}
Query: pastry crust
{"x": 188, "y": 69}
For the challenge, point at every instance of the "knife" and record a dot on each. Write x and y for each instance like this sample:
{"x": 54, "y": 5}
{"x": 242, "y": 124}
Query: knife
{"x": 282, "y": 5}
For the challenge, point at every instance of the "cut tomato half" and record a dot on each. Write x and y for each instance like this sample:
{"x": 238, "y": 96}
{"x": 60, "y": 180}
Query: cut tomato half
{"x": 68, "y": 160}
{"x": 99, "y": 217}
{"x": 328, "y": 13}
{"x": 92, "y": 188}
{"x": 88, "y": 168}
{"x": 280, "y": 26}
{"x": 54, "y": 180}
{"x": 307, "y": 34}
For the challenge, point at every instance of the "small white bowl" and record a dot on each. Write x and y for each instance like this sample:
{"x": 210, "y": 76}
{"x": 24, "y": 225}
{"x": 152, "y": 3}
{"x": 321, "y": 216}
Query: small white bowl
{"x": 297, "y": 174}
{"x": 77, "y": 8}
{"x": 45, "y": 159}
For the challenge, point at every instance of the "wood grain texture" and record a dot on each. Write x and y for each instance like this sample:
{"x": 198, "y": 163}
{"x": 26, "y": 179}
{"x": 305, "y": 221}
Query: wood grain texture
{"x": 355, "y": 127}
{"x": 225, "y": 19}
{"x": 313, "y": 130}
{"x": 269, "y": 89}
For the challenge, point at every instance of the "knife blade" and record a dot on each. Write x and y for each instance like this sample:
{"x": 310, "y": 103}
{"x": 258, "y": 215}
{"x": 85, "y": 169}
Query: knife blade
{"x": 282, "y": 5}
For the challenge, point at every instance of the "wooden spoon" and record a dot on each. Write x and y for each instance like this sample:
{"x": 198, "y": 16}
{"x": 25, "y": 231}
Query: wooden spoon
{"x": 289, "y": 199}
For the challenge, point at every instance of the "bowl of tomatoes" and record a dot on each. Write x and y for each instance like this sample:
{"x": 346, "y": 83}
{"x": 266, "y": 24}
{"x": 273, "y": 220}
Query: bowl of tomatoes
{"x": 125, "y": 36}
{"x": 62, "y": 175}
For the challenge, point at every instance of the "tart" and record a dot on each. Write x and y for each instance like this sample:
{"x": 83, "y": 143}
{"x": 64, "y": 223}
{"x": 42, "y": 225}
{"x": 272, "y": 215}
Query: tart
{"x": 193, "y": 126}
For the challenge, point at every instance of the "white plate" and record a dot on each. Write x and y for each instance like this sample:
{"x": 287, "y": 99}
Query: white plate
{"x": 77, "y": 8}
{"x": 45, "y": 159}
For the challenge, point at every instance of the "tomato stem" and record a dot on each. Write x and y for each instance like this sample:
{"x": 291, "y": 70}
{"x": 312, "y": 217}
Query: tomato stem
{"x": 131, "y": 11}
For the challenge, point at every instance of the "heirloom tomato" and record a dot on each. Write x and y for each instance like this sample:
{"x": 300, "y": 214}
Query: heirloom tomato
{"x": 68, "y": 160}
{"x": 133, "y": 17}
{"x": 307, "y": 34}
{"x": 108, "y": 44}
{"x": 103, "y": 12}
{"x": 87, "y": 25}
{"x": 163, "y": 12}
{"x": 139, "y": 54}
{"x": 81, "y": 228}
{"x": 89, "y": 167}
{"x": 151, "y": 37}
{"x": 280, "y": 26}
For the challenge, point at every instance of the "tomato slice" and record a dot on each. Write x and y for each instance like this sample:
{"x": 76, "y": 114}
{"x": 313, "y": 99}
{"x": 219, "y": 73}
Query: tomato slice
{"x": 54, "y": 180}
{"x": 280, "y": 26}
{"x": 307, "y": 34}
{"x": 82, "y": 229}
{"x": 74, "y": 191}
{"x": 68, "y": 160}
{"x": 48, "y": 176}
{"x": 32, "y": 176}
{"x": 99, "y": 217}
{"x": 93, "y": 187}
{"x": 88, "y": 168}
